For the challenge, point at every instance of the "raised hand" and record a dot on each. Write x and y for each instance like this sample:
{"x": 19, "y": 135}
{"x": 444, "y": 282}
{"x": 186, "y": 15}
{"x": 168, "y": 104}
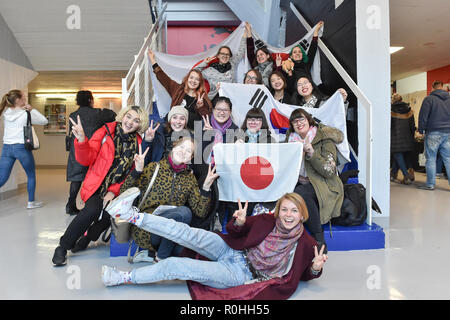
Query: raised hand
{"x": 278, "y": 60}
{"x": 207, "y": 124}
{"x": 248, "y": 30}
{"x": 241, "y": 213}
{"x": 319, "y": 258}
{"x": 209, "y": 59}
{"x": 343, "y": 93}
{"x": 210, "y": 177}
{"x": 151, "y": 56}
{"x": 200, "y": 102}
{"x": 139, "y": 159}
{"x": 150, "y": 132}
{"x": 77, "y": 129}
{"x": 308, "y": 148}
{"x": 316, "y": 30}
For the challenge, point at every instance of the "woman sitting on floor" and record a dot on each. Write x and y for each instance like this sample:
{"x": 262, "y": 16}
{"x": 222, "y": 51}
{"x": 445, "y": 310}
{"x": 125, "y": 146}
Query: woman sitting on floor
{"x": 272, "y": 251}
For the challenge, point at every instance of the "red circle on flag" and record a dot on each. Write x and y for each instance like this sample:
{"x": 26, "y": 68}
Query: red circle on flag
{"x": 257, "y": 173}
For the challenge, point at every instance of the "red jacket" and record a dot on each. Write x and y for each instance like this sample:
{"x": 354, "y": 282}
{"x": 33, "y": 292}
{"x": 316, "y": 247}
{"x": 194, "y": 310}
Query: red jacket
{"x": 97, "y": 153}
{"x": 253, "y": 232}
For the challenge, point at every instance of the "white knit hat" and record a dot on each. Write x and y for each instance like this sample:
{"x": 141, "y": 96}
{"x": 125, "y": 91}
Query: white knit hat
{"x": 180, "y": 109}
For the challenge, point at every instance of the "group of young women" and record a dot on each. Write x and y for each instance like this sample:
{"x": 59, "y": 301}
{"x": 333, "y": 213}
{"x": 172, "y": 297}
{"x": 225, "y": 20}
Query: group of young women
{"x": 124, "y": 155}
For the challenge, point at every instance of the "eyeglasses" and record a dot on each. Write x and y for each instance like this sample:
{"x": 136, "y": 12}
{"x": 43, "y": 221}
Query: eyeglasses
{"x": 251, "y": 78}
{"x": 224, "y": 54}
{"x": 299, "y": 120}
{"x": 254, "y": 120}
{"x": 222, "y": 110}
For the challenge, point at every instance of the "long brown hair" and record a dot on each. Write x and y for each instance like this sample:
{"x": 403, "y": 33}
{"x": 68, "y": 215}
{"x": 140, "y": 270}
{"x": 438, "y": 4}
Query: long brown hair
{"x": 201, "y": 86}
{"x": 9, "y": 99}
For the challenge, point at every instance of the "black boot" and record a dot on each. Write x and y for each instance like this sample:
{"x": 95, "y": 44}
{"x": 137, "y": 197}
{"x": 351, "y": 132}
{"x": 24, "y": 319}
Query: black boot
{"x": 71, "y": 210}
{"x": 81, "y": 244}
{"x": 320, "y": 238}
{"x": 59, "y": 257}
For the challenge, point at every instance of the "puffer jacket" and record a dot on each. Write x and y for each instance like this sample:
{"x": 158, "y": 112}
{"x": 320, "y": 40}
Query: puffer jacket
{"x": 97, "y": 153}
{"x": 402, "y": 127}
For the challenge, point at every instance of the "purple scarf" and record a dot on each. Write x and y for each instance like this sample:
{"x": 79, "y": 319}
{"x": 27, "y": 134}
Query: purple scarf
{"x": 271, "y": 256}
{"x": 220, "y": 129}
{"x": 177, "y": 167}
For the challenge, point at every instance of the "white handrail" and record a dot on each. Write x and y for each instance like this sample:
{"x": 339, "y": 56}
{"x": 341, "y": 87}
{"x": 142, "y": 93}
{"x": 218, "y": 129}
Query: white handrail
{"x": 132, "y": 79}
{"x": 362, "y": 98}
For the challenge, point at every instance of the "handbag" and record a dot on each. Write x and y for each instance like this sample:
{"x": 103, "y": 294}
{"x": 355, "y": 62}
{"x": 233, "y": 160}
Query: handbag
{"x": 31, "y": 140}
{"x": 121, "y": 228}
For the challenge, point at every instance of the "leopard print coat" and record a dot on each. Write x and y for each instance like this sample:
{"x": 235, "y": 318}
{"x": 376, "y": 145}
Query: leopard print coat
{"x": 169, "y": 188}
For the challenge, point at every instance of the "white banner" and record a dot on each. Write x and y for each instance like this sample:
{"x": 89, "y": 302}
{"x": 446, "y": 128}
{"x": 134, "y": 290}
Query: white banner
{"x": 176, "y": 67}
{"x": 257, "y": 172}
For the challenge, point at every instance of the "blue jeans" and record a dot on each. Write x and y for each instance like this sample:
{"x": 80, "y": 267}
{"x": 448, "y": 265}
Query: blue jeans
{"x": 166, "y": 248}
{"x": 436, "y": 142}
{"x": 227, "y": 267}
{"x": 399, "y": 163}
{"x": 11, "y": 153}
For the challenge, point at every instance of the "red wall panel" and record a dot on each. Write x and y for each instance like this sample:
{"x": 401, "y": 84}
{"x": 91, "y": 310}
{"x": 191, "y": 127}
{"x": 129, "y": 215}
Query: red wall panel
{"x": 189, "y": 40}
{"x": 441, "y": 74}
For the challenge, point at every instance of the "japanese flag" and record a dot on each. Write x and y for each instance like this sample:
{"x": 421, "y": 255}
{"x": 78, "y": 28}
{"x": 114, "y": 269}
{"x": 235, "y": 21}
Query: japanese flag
{"x": 257, "y": 172}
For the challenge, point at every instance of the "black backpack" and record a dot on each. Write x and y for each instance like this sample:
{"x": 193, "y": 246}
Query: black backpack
{"x": 354, "y": 209}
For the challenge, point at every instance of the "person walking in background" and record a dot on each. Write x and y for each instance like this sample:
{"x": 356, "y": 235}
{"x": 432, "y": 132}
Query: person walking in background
{"x": 402, "y": 137}
{"x": 91, "y": 119}
{"x": 434, "y": 122}
{"x": 15, "y": 118}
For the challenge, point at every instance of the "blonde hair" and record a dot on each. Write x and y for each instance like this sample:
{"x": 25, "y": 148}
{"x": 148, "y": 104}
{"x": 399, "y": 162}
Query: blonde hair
{"x": 9, "y": 98}
{"x": 297, "y": 200}
{"x": 143, "y": 116}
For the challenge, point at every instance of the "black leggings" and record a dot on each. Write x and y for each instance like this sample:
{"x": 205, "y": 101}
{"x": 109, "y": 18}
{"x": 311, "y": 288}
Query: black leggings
{"x": 75, "y": 187}
{"x": 309, "y": 195}
{"x": 86, "y": 219}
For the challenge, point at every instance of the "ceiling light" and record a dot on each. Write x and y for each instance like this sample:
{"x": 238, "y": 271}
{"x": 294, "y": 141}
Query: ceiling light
{"x": 394, "y": 49}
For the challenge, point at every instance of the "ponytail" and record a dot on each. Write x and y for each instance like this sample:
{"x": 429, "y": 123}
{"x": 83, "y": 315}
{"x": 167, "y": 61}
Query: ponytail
{"x": 9, "y": 99}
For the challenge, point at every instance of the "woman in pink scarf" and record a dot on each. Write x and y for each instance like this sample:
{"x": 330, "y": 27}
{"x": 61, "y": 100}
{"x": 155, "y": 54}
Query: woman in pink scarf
{"x": 261, "y": 257}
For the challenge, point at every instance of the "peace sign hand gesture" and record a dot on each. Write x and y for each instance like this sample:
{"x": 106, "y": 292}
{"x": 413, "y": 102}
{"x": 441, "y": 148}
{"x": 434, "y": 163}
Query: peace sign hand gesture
{"x": 212, "y": 175}
{"x": 200, "y": 102}
{"x": 241, "y": 213}
{"x": 278, "y": 60}
{"x": 77, "y": 129}
{"x": 150, "y": 132}
{"x": 319, "y": 259}
{"x": 207, "y": 125}
{"x": 139, "y": 159}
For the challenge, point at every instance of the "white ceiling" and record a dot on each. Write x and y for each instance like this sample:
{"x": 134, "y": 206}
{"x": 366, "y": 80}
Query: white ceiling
{"x": 112, "y": 32}
{"x": 423, "y": 28}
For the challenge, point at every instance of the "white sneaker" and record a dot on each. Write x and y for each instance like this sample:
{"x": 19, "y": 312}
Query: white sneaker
{"x": 34, "y": 204}
{"x": 121, "y": 207}
{"x": 111, "y": 276}
{"x": 142, "y": 256}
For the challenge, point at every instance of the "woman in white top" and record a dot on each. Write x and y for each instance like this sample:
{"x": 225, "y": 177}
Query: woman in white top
{"x": 15, "y": 118}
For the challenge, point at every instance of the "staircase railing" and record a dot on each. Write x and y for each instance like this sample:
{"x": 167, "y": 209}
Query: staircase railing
{"x": 137, "y": 85}
{"x": 363, "y": 100}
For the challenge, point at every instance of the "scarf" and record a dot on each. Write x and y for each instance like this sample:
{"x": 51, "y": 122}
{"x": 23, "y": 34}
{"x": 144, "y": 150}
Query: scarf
{"x": 220, "y": 129}
{"x": 311, "y": 103}
{"x": 253, "y": 137}
{"x": 126, "y": 147}
{"x": 271, "y": 256}
{"x": 177, "y": 167}
{"x": 222, "y": 68}
{"x": 262, "y": 66}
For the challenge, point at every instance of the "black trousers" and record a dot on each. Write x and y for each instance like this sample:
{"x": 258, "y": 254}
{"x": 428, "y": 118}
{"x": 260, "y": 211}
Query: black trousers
{"x": 86, "y": 220}
{"x": 75, "y": 187}
{"x": 309, "y": 195}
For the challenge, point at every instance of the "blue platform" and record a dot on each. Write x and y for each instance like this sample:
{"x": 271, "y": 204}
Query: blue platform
{"x": 363, "y": 237}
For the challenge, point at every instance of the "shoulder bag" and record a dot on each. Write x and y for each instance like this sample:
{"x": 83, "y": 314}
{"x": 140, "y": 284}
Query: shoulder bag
{"x": 31, "y": 140}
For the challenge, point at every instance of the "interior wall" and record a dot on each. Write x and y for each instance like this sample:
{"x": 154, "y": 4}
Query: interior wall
{"x": 441, "y": 74}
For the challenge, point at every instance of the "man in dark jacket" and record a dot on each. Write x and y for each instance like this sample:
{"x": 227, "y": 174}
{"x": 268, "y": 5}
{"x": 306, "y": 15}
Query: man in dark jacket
{"x": 91, "y": 119}
{"x": 434, "y": 121}
{"x": 402, "y": 137}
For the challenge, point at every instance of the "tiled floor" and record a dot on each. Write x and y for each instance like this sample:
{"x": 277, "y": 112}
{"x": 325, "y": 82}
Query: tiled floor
{"x": 414, "y": 264}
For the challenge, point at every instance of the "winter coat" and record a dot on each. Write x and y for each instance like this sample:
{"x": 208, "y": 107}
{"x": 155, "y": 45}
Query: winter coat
{"x": 402, "y": 128}
{"x": 213, "y": 76}
{"x": 434, "y": 113}
{"x": 169, "y": 188}
{"x": 176, "y": 91}
{"x": 252, "y": 233}
{"x": 322, "y": 172}
{"x": 98, "y": 153}
{"x": 91, "y": 119}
